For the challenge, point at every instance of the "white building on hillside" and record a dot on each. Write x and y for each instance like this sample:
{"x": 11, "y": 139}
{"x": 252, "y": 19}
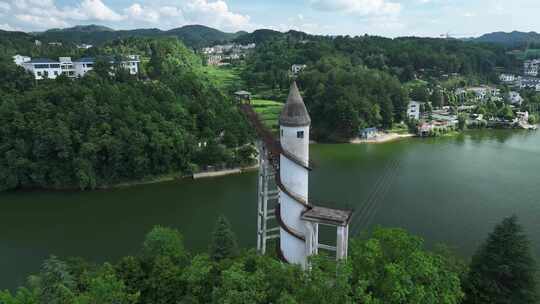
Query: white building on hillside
{"x": 413, "y": 111}
{"x": 507, "y": 78}
{"x": 84, "y": 46}
{"x": 19, "y": 59}
{"x": 66, "y": 65}
{"x": 531, "y": 67}
{"x": 297, "y": 68}
{"x": 514, "y": 98}
{"x": 43, "y": 68}
{"x": 86, "y": 64}
{"x": 83, "y": 66}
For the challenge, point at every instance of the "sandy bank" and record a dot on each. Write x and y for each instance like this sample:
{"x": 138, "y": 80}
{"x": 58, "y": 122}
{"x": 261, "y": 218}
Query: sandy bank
{"x": 382, "y": 138}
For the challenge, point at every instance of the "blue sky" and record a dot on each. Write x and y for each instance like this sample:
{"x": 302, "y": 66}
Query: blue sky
{"x": 353, "y": 17}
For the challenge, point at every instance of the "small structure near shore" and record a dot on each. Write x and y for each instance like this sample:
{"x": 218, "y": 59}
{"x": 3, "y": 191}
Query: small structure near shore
{"x": 368, "y": 133}
{"x": 243, "y": 97}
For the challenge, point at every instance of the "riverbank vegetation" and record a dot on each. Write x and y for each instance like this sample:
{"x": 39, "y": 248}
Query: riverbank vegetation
{"x": 389, "y": 266}
{"x": 104, "y": 129}
{"x": 355, "y": 82}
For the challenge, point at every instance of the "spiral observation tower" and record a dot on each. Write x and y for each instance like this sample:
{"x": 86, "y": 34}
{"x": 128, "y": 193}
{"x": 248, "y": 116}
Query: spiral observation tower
{"x": 284, "y": 210}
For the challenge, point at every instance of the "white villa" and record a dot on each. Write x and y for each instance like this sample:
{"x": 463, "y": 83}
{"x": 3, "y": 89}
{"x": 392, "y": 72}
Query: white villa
{"x": 233, "y": 47}
{"x": 413, "y": 111}
{"x": 19, "y": 59}
{"x": 44, "y": 68}
{"x": 84, "y": 46}
{"x": 507, "y": 78}
{"x": 531, "y": 67}
{"x": 514, "y": 98}
{"x": 297, "y": 68}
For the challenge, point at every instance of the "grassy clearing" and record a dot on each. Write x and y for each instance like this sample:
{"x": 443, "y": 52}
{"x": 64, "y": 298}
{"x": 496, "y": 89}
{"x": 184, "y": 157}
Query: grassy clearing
{"x": 268, "y": 111}
{"x": 399, "y": 129}
{"x": 225, "y": 78}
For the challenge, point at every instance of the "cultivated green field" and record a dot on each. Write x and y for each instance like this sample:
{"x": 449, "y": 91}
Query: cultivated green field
{"x": 225, "y": 78}
{"x": 268, "y": 111}
{"x": 527, "y": 54}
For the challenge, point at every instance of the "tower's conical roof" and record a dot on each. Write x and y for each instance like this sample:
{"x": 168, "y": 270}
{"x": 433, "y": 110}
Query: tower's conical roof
{"x": 294, "y": 113}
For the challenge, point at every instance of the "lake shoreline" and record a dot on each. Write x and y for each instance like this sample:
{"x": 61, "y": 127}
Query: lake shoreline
{"x": 381, "y": 139}
{"x": 146, "y": 181}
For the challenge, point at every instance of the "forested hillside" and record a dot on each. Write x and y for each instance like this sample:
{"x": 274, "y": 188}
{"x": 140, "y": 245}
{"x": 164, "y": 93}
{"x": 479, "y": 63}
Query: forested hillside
{"x": 104, "y": 129}
{"x": 513, "y": 39}
{"x": 353, "y": 82}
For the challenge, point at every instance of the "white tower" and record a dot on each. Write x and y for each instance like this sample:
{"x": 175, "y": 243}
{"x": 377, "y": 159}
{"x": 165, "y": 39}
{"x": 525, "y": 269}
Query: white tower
{"x": 298, "y": 220}
{"x": 294, "y": 124}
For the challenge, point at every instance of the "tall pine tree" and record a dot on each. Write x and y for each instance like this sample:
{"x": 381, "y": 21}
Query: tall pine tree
{"x": 503, "y": 269}
{"x": 224, "y": 244}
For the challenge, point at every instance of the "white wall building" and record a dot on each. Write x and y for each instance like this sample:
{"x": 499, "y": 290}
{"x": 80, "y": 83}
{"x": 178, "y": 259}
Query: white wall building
{"x": 507, "y": 78}
{"x": 43, "y": 68}
{"x": 19, "y": 59}
{"x": 413, "y": 111}
{"x": 297, "y": 68}
{"x": 84, "y": 46}
{"x": 83, "y": 66}
{"x": 531, "y": 67}
{"x": 66, "y": 65}
{"x": 514, "y": 98}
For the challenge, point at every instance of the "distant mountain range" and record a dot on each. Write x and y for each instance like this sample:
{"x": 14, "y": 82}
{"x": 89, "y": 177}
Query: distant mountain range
{"x": 195, "y": 36}
{"x": 198, "y": 36}
{"x": 512, "y": 39}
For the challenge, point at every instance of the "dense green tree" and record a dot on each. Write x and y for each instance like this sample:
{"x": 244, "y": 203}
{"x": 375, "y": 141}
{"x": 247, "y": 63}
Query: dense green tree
{"x": 106, "y": 288}
{"x": 462, "y": 122}
{"x": 164, "y": 242}
{"x": 57, "y": 284}
{"x": 341, "y": 99}
{"x": 436, "y": 98}
{"x": 420, "y": 93}
{"x": 223, "y": 244}
{"x": 130, "y": 270}
{"x": 503, "y": 269}
{"x": 391, "y": 267}
{"x": 200, "y": 278}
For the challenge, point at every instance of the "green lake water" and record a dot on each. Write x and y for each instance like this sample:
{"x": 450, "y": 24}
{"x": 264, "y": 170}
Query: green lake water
{"x": 451, "y": 190}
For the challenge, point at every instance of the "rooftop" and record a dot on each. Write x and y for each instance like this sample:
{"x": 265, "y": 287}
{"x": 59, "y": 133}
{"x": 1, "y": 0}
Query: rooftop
{"x": 328, "y": 216}
{"x": 42, "y": 60}
{"x": 85, "y": 59}
{"x": 294, "y": 113}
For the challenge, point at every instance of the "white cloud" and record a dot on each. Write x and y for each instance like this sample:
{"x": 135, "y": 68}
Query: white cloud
{"x": 359, "y": 7}
{"x": 97, "y": 10}
{"x": 41, "y": 21}
{"x": 7, "y": 27}
{"x": 215, "y": 13}
{"x": 44, "y": 14}
{"x": 210, "y": 13}
{"x": 170, "y": 11}
{"x": 4, "y": 6}
{"x": 145, "y": 14}
{"x": 165, "y": 14}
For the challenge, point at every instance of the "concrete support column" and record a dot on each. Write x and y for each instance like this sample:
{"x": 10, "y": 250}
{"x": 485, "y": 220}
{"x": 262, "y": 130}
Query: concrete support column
{"x": 342, "y": 242}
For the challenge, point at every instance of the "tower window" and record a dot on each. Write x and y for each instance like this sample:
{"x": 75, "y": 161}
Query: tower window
{"x": 300, "y": 134}
{"x": 281, "y": 132}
